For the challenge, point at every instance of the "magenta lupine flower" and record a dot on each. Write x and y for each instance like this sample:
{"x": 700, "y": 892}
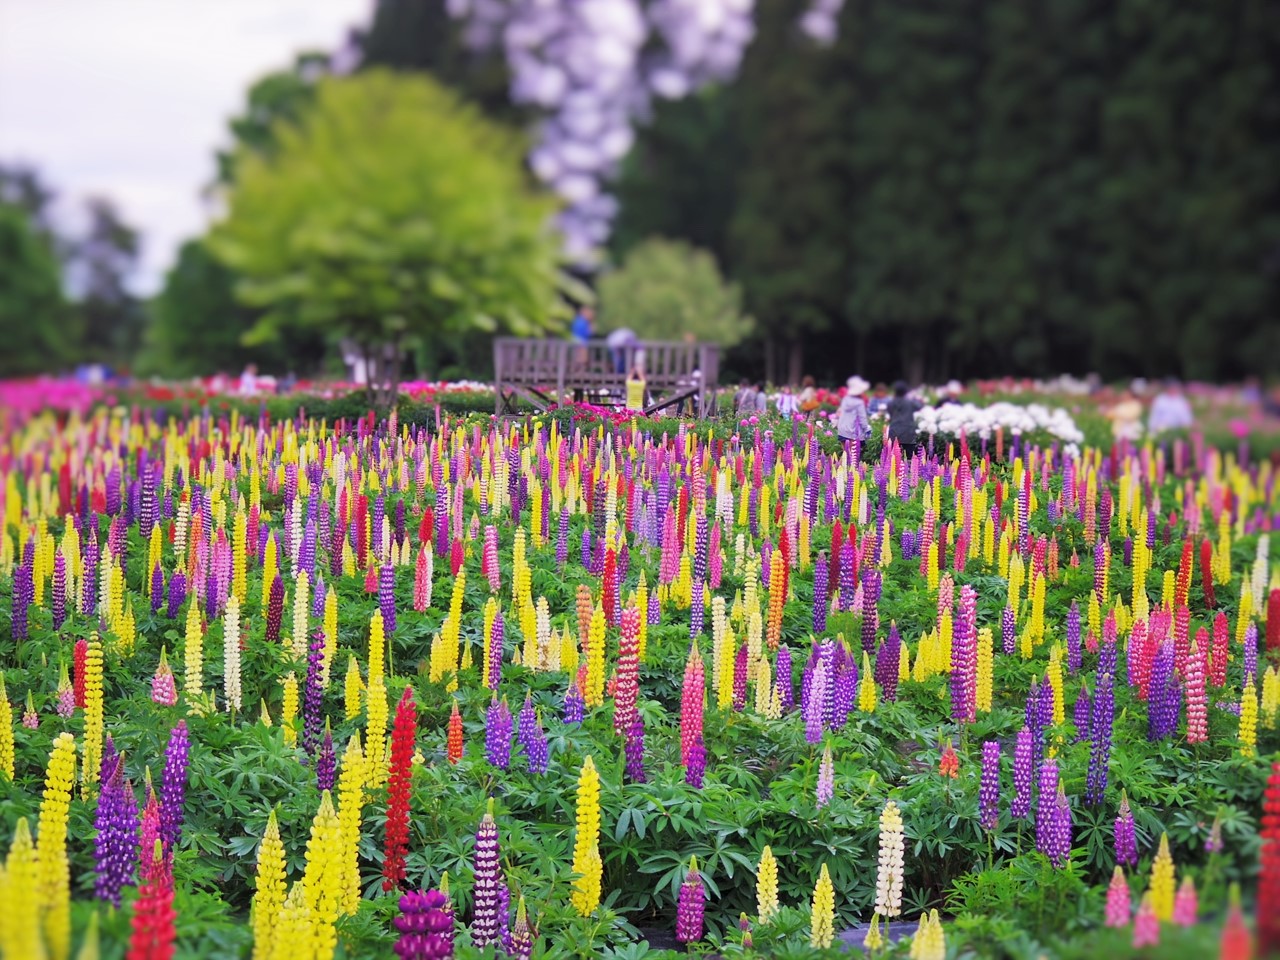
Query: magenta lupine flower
{"x": 1119, "y": 901}
{"x": 1023, "y": 758}
{"x": 116, "y": 821}
{"x": 1075, "y": 657}
{"x": 964, "y": 659}
{"x": 1186, "y": 904}
{"x": 1008, "y": 630}
{"x": 696, "y": 765}
{"x": 634, "y": 749}
{"x": 313, "y": 694}
{"x": 497, "y": 733}
{"x": 740, "y": 678}
{"x": 692, "y": 904}
{"x": 1126, "y": 840}
{"x": 574, "y": 705}
{"x": 326, "y": 762}
{"x": 387, "y": 597}
{"x": 275, "y": 609}
{"x": 173, "y": 785}
{"x": 164, "y": 690}
{"x": 1046, "y": 812}
{"x": 58, "y": 601}
{"x": 826, "y": 779}
{"x": 989, "y": 789}
{"x": 485, "y": 924}
{"x": 562, "y": 540}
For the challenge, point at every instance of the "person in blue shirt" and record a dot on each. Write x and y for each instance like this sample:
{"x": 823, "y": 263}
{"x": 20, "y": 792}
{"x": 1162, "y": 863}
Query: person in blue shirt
{"x": 583, "y": 323}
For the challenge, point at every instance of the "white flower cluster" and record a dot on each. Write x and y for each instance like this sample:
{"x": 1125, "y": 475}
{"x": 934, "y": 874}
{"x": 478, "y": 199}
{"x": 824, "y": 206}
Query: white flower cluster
{"x": 956, "y": 418}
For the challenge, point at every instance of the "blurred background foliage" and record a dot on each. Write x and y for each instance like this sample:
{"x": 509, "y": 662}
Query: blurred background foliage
{"x": 943, "y": 189}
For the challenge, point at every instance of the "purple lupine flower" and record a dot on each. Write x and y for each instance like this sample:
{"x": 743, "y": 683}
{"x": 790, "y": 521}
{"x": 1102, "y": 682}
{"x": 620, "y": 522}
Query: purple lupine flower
{"x": 1023, "y": 759}
{"x": 1128, "y": 551}
{"x": 1008, "y": 630}
{"x": 691, "y": 906}
{"x": 173, "y": 785}
{"x": 485, "y": 923}
{"x": 326, "y": 762}
{"x": 844, "y": 687}
{"x": 1031, "y": 712}
{"x": 1250, "y": 654}
{"x": 313, "y": 694}
{"x": 964, "y": 658}
{"x": 1059, "y": 851}
{"x": 740, "y": 678}
{"x": 847, "y": 582}
{"x": 634, "y": 749}
{"x": 58, "y": 602}
{"x": 24, "y": 593}
{"x": 989, "y": 789}
{"x": 562, "y": 540}
{"x": 1046, "y": 811}
{"x": 696, "y": 765}
{"x": 1126, "y": 836}
{"x": 782, "y": 678}
{"x": 586, "y": 548}
{"x": 655, "y": 609}
{"x": 820, "y": 595}
{"x": 888, "y": 659}
{"x": 697, "y": 609}
{"x": 812, "y": 709}
{"x": 116, "y": 821}
{"x": 1074, "y": 655}
{"x": 318, "y": 597}
{"x": 89, "y": 594}
{"x": 387, "y": 597}
{"x": 425, "y": 925}
{"x": 871, "y": 583}
{"x": 574, "y": 705}
{"x": 535, "y": 743}
{"x": 1163, "y": 697}
{"x": 1080, "y": 715}
{"x": 497, "y": 733}
{"x": 504, "y": 891}
{"x": 177, "y": 593}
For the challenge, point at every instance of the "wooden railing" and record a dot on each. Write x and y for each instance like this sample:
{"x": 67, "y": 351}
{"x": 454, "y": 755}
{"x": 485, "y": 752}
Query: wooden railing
{"x": 547, "y": 372}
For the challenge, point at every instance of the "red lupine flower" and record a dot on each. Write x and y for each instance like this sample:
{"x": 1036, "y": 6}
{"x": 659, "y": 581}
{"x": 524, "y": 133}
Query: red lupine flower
{"x": 453, "y": 747}
{"x": 77, "y": 670}
{"x": 153, "y": 913}
{"x": 949, "y": 765}
{"x": 402, "y": 745}
{"x": 1269, "y": 876}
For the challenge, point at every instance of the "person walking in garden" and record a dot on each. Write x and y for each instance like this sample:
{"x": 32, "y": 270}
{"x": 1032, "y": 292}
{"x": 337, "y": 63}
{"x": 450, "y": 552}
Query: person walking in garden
{"x": 851, "y": 417}
{"x": 1170, "y": 409}
{"x": 902, "y": 418}
{"x": 1126, "y": 418}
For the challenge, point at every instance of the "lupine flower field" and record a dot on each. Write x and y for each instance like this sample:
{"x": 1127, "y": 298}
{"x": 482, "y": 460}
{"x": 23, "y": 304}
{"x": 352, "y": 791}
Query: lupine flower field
{"x": 565, "y": 687}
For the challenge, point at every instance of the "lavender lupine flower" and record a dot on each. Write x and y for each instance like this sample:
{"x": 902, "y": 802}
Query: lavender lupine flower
{"x": 318, "y": 597}
{"x": 691, "y": 906}
{"x": 1074, "y": 655}
{"x": 497, "y": 637}
{"x": 562, "y": 540}
{"x": 485, "y": 924}
{"x": 634, "y": 749}
{"x": 504, "y": 891}
{"x": 844, "y": 687}
{"x": 964, "y": 658}
{"x": 574, "y": 705}
{"x": 313, "y": 694}
{"x": 1023, "y": 759}
{"x": 326, "y": 762}
{"x": 58, "y": 602}
{"x": 1046, "y": 812}
{"x": 535, "y": 741}
{"x": 586, "y": 548}
{"x": 177, "y": 594}
{"x": 387, "y": 597}
{"x": 425, "y": 925}
{"x": 820, "y": 583}
{"x": 116, "y": 821}
{"x": 888, "y": 658}
{"x": 847, "y": 583}
{"x": 989, "y": 789}
{"x": 696, "y": 766}
{"x": 173, "y": 785}
{"x": 1008, "y": 630}
{"x": 497, "y": 733}
{"x": 655, "y": 609}
{"x": 1126, "y": 838}
{"x": 826, "y": 779}
{"x": 1101, "y": 717}
{"x": 1250, "y": 654}
{"x": 782, "y": 678}
{"x": 812, "y": 709}
{"x": 1059, "y": 838}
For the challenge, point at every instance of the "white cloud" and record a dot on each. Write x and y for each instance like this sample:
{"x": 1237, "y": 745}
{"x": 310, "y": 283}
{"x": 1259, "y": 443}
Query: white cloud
{"x": 130, "y": 98}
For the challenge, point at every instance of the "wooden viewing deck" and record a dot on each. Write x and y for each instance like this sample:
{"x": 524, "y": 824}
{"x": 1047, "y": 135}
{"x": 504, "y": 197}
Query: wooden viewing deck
{"x": 547, "y": 372}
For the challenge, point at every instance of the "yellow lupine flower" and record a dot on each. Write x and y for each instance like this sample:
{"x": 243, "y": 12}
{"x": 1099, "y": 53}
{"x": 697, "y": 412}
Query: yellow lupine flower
{"x": 324, "y": 876}
{"x": 269, "y": 898}
{"x": 352, "y": 688}
{"x": 376, "y": 731}
{"x": 350, "y": 805}
{"x": 766, "y": 886}
{"x": 1162, "y": 881}
{"x": 51, "y": 851}
{"x": 93, "y": 715}
{"x": 586, "y": 844}
{"x": 193, "y": 651}
{"x": 822, "y": 914}
{"x": 6, "y": 732}
{"x": 289, "y": 710}
{"x": 20, "y": 894}
{"x": 1249, "y": 720}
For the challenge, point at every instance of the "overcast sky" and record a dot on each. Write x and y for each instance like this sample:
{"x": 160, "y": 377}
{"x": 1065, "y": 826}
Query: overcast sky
{"x": 130, "y": 98}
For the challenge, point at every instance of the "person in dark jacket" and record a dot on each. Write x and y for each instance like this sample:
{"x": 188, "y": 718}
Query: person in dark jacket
{"x": 902, "y": 418}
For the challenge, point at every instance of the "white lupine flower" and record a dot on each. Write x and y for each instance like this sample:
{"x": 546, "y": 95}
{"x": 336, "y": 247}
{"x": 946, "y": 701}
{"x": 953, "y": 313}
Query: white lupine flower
{"x": 890, "y": 868}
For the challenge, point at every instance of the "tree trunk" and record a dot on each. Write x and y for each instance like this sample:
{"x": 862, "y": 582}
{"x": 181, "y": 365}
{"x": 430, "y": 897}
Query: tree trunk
{"x": 913, "y": 358}
{"x": 370, "y": 381}
{"x": 770, "y": 360}
{"x": 795, "y": 362}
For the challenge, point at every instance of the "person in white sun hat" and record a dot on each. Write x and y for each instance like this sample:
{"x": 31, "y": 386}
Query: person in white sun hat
{"x": 851, "y": 418}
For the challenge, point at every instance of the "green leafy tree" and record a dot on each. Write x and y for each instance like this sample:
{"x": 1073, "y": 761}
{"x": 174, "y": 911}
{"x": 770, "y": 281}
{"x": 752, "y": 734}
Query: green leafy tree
{"x": 36, "y": 326}
{"x": 667, "y": 290}
{"x": 392, "y": 214}
{"x": 101, "y": 264}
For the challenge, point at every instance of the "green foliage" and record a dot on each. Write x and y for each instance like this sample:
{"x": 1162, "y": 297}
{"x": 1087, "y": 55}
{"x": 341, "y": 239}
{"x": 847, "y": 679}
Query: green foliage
{"x": 667, "y": 290}
{"x": 391, "y": 214}
{"x": 35, "y": 322}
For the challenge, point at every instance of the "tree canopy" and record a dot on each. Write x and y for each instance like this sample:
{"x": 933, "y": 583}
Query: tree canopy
{"x": 392, "y": 212}
{"x": 35, "y": 323}
{"x": 666, "y": 290}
